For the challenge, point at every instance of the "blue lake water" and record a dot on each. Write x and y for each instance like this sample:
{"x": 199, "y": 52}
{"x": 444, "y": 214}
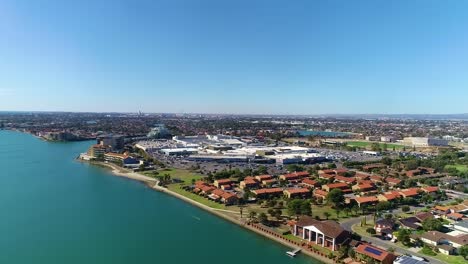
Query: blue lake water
{"x": 56, "y": 210}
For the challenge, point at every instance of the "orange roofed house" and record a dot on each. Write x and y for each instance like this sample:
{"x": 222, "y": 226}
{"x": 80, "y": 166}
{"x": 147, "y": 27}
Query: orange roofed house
{"x": 267, "y": 192}
{"x": 295, "y": 176}
{"x": 368, "y": 200}
{"x": 309, "y": 183}
{"x": 365, "y": 251}
{"x": 220, "y": 182}
{"x": 249, "y": 182}
{"x": 339, "y": 185}
{"x": 327, "y": 234}
{"x": 297, "y": 193}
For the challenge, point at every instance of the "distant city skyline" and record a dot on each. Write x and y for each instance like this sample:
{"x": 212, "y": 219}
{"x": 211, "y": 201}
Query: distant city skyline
{"x": 235, "y": 57}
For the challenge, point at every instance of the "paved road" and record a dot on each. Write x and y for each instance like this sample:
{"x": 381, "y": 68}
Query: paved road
{"x": 349, "y": 223}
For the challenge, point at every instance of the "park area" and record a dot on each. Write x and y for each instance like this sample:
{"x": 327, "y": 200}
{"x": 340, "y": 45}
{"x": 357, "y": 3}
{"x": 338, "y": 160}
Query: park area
{"x": 458, "y": 167}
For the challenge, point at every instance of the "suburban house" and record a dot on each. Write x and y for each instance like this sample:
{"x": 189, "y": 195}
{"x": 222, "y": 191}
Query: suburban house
{"x": 297, "y": 193}
{"x": 309, "y": 183}
{"x": 392, "y": 181}
{"x": 264, "y": 177}
{"x": 384, "y": 227}
{"x": 224, "y": 197}
{"x": 366, "y": 200}
{"x": 410, "y": 223}
{"x": 220, "y": 182}
{"x": 430, "y": 189}
{"x": 387, "y": 197}
{"x": 295, "y": 176}
{"x": 321, "y": 195}
{"x": 446, "y": 244}
{"x": 455, "y": 216}
{"x": 363, "y": 187}
{"x": 347, "y": 180}
{"x": 267, "y": 192}
{"x": 413, "y": 192}
{"x": 365, "y": 251}
{"x": 327, "y": 234}
{"x": 376, "y": 179}
{"x": 248, "y": 182}
{"x": 339, "y": 185}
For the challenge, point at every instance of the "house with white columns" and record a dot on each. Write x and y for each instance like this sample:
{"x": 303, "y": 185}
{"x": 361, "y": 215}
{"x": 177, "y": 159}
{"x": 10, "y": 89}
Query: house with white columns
{"x": 327, "y": 234}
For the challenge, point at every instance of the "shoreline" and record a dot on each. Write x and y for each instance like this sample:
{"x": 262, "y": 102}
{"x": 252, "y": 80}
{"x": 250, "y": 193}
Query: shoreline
{"x": 152, "y": 183}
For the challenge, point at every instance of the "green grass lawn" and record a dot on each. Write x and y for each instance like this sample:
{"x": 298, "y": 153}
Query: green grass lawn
{"x": 459, "y": 167}
{"x": 293, "y": 238}
{"x": 176, "y": 188}
{"x": 445, "y": 258}
{"x": 365, "y": 144}
{"x": 451, "y": 259}
{"x": 184, "y": 175}
{"x": 319, "y": 210}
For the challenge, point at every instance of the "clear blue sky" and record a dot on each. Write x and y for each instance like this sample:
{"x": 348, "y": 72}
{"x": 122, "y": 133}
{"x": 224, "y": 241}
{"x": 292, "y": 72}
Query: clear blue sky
{"x": 235, "y": 56}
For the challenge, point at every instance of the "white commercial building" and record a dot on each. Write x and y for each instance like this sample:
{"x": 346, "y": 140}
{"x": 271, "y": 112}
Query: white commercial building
{"x": 425, "y": 142}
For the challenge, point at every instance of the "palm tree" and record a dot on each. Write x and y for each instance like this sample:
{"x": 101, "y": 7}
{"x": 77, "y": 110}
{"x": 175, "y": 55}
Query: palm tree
{"x": 347, "y": 210}
{"x": 252, "y": 215}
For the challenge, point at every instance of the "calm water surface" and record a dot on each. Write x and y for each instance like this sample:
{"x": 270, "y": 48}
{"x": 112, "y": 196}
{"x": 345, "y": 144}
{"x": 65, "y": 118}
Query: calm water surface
{"x": 56, "y": 210}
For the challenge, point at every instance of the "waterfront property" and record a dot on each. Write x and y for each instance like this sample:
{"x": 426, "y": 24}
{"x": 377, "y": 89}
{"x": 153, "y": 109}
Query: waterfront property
{"x": 328, "y": 234}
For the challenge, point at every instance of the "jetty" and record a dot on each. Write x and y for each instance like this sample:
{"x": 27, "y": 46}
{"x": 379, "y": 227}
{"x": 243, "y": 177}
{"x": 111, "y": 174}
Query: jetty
{"x": 293, "y": 253}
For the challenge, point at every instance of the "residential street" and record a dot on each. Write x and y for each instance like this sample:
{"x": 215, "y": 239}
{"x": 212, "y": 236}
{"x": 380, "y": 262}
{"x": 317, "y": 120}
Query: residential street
{"x": 349, "y": 223}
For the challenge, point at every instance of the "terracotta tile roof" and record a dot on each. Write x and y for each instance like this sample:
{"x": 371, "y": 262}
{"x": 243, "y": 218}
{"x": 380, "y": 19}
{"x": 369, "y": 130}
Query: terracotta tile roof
{"x": 345, "y": 179}
{"x": 390, "y": 196}
{"x": 250, "y": 181}
{"x": 218, "y": 192}
{"x": 223, "y": 181}
{"x": 263, "y": 177}
{"x": 374, "y": 252}
{"x": 320, "y": 193}
{"x": 326, "y": 176}
{"x": 228, "y": 195}
{"x": 296, "y": 174}
{"x": 309, "y": 182}
{"x": 393, "y": 180}
{"x": 455, "y": 216}
{"x": 207, "y": 189}
{"x": 410, "y": 192}
{"x": 367, "y": 199}
{"x": 328, "y": 228}
{"x": 376, "y": 178}
{"x": 365, "y": 186}
{"x": 329, "y": 171}
{"x": 338, "y": 185}
{"x": 430, "y": 189}
{"x": 297, "y": 191}
{"x": 268, "y": 191}
{"x": 423, "y": 216}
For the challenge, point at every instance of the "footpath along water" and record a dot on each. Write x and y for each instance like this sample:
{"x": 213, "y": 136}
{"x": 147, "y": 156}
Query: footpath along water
{"x": 56, "y": 210}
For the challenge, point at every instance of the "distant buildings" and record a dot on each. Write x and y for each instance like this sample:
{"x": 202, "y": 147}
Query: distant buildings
{"x": 158, "y": 131}
{"x": 425, "y": 141}
{"x": 115, "y": 142}
{"x": 97, "y": 151}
